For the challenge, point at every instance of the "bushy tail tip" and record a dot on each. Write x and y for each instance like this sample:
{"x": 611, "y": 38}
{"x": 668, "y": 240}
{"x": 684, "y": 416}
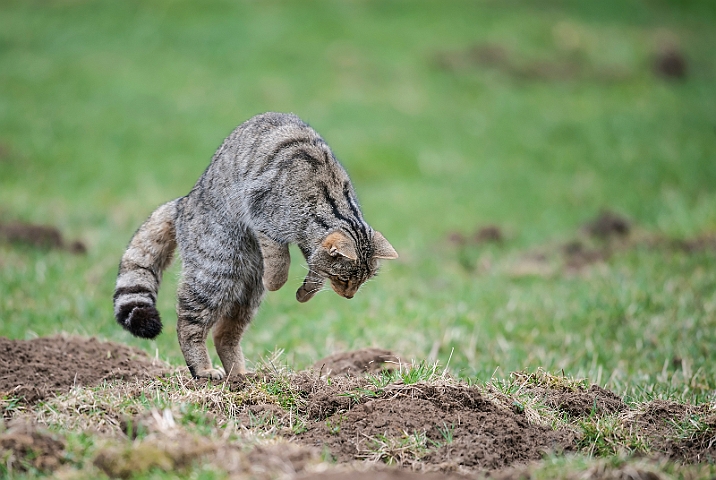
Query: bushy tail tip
{"x": 143, "y": 321}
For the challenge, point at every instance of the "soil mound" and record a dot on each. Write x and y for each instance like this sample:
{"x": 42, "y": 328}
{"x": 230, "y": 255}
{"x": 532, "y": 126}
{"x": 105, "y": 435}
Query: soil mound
{"x": 582, "y": 403}
{"x": 452, "y": 428}
{"x": 40, "y": 236}
{"x": 358, "y": 362}
{"x": 35, "y": 369}
{"x": 607, "y": 225}
{"x": 23, "y": 447}
{"x": 664, "y": 423}
{"x": 386, "y": 474}
{"x": 670, "y": 63}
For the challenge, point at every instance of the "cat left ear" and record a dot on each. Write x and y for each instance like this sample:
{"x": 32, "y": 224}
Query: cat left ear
{"x": 382, "y": 248}
{"x": 338, "y": 243}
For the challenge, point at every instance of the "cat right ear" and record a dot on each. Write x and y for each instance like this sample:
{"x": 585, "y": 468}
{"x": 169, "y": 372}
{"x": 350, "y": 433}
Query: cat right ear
{"x": 382, "y": 248}
{"x": 338, "y": 243}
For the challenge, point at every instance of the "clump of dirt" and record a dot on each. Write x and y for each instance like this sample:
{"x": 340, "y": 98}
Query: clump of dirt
{"x": 24, "y": 447}
{"x": 383, "y": 474}
{"x": 358, "y": 362}
{"x": 328, "y": 395}
{"x": 424, "y": 426}
{"x": 606, "y": 229}
{"x": 496, "y": 57}
{"x": 486, "y": 234}
{"x": 490, "y": 233}
{"x": 39, "y": 236}
{"x": 583, "y": 402}
{"x": 702, "y": 243}
{"x": 608, "y": 225}
{"x": 670, "y": 63}
{"x": 577, "y": 256}
{"x": 670, "y": 426}
{"x": 32, "y": 370}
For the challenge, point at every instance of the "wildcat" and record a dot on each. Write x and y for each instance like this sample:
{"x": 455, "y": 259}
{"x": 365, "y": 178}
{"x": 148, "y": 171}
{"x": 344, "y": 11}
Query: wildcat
{"x": 274, "y": 181}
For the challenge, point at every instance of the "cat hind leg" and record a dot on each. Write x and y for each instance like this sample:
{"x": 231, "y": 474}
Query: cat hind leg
{"x": 193, "y": 324}
{"x": 227, "y": 337}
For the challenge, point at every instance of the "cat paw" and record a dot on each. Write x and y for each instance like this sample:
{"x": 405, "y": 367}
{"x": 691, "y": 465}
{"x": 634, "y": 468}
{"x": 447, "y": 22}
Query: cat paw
{"x": 211, "y": 373}
{"x": 273, "y": 284}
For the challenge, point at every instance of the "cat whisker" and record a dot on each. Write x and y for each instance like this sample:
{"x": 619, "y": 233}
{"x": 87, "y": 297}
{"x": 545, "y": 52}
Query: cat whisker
{"x": 318, "y": 290}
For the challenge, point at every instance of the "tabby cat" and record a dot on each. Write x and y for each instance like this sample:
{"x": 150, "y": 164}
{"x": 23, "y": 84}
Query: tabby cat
{"x": 274, "y": 181}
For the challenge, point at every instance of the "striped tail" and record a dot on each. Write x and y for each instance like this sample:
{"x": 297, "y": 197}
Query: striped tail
{"x": 140, "y": 272}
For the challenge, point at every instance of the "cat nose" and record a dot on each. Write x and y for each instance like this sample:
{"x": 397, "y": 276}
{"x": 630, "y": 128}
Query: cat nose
{"x": 348, "y": 296}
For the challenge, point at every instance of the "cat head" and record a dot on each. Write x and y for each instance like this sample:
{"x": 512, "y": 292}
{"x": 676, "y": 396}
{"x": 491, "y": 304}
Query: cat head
{"x": 344, "y": 264}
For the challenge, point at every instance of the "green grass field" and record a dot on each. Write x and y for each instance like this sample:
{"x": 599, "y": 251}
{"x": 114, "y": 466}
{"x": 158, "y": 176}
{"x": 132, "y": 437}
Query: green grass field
{"x": 108, "y": 109}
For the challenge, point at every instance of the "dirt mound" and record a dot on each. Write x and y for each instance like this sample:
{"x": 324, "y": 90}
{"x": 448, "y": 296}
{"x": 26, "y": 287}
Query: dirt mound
{"x": 670, "y": 63}
{"x": 582, "y": 403}
{"x": 35, "y": 369}
{"x": 555, "y": 67}
{"x": 608, "y": 224}
{"x": 431, "y": 427}
{"x": 23, "y": 447}
{"x": 486, "y": 234}
{"x": 40, "y": 236}
{"x": 386, "y": 474}
{"x": 357, "y": 362}
{"x": 675, "y": 431}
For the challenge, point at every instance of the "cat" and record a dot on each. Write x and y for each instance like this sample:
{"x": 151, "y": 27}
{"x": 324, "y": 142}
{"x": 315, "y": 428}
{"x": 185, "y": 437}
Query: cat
{"x": 273, "y": 182}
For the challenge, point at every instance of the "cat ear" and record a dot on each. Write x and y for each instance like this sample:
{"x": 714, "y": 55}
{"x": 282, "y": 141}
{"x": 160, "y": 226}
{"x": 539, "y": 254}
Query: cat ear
{"x": 338, "y": 243}
{"x": 382, "y": 248}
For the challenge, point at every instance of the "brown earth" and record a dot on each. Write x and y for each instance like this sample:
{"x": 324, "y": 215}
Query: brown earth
{"x": 445, "y": 426}
{"x": 32, "y": 370}
{"x": 558, "y": 67}
{"x": 582, "y": 402}
{"x": 367, "y": 360}
{"x": 38, "y": 236}
{"x": 597, "y": 240}
{"x": 486, "y": 234}
{"x": 659, "y": 420}
{"x": 670, "y": 63}
{"x": 24, "y": 447}
{"x": 452, "y": 428}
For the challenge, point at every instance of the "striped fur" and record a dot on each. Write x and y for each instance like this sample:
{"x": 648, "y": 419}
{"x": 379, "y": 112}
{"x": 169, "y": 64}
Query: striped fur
{"x": 274, "y": 181}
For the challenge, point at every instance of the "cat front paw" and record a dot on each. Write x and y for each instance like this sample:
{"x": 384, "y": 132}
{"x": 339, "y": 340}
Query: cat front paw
{"x": 211, "y": 373}
{"x": 274, "y": 283}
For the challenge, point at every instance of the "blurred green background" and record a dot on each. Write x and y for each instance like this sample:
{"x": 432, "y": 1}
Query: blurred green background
{"x": 532, "y": 116}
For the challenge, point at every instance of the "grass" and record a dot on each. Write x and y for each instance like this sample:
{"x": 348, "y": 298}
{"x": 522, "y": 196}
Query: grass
{"x": 108, "y": 109}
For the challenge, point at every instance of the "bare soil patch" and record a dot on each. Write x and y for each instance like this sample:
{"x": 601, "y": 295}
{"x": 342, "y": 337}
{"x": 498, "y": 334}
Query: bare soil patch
{"x": 451, "y": 428}
{"x": 670, "y": 63}
{"x": 32, "y": 370}
{"x": 38, "y": 236}
{"x": 558, "y": 66}
{"x": 357, "y": 362}
{"x": 482, "y": 235}
{"x": 670, "y": 427}
{"x": 596, "y": 241}
{"x": 582, "y": 402}
{"x": 385, "y": 474}
{"x": 607, "y": 225}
